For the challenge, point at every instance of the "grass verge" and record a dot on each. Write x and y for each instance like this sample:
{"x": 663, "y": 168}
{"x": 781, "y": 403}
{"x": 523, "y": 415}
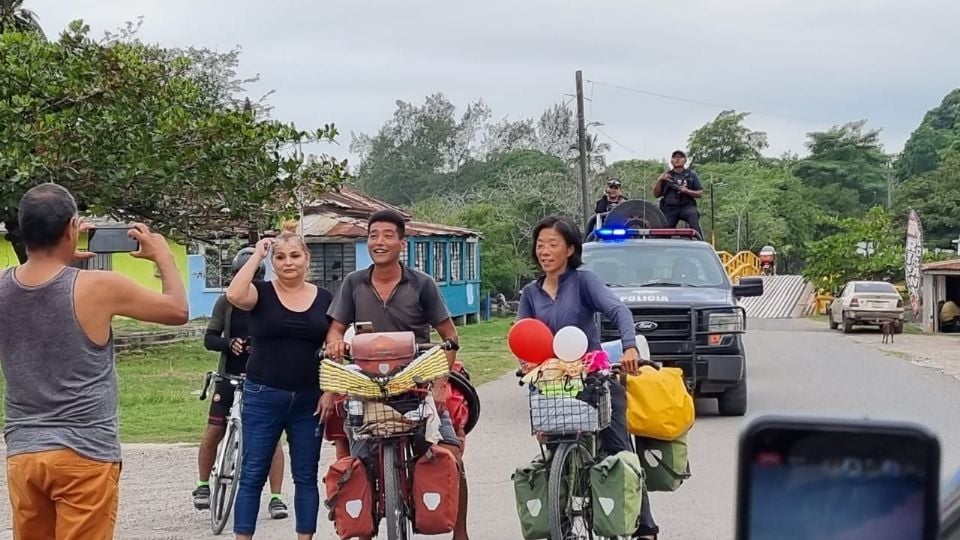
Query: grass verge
{"x": 159, "y": 387}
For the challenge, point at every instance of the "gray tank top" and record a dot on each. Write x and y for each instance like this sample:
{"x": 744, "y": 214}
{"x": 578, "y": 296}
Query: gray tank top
{"x": 61, "y": 388}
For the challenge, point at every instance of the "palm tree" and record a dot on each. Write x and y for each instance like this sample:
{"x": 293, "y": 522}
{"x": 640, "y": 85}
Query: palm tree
{"x": 16, "y": 18}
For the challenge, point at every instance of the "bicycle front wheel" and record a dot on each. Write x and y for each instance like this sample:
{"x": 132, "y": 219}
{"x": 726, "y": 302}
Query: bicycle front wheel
{"x": 568, "y": 492}
{"x": 225, "y": 477}
{"x": 395, "y": 511}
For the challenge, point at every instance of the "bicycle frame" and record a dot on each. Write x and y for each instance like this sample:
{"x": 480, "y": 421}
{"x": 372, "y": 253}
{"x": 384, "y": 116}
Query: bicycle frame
{"x": 229, "y": 454}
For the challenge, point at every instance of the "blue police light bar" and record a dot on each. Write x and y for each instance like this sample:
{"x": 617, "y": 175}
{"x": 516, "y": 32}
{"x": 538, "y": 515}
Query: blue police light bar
{"x": 618, "y": 233}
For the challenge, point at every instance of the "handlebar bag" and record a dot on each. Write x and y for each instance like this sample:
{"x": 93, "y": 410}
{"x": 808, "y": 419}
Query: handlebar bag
{"x": 658, "y": 404}
{"x": 383, "y": 353}
{"x": 349, "y": 498}
{"x": 436, "y": 491}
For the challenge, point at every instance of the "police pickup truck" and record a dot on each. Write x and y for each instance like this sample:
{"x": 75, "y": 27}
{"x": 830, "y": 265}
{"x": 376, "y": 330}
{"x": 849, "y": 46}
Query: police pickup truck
{"x": 681, "y": 298}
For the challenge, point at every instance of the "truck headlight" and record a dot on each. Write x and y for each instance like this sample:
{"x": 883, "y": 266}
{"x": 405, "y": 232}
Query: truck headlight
{"x": 725, "y": 323}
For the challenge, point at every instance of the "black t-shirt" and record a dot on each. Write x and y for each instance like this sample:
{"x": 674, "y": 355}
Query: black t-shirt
{"x": 283, "y": 353}
{"x": 672, "y": 197}
{"x": 239, "y": 328}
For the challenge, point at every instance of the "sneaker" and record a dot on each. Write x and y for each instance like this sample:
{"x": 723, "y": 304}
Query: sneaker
{"x": 201, "y": 497}
{"x": 278, "y": 510}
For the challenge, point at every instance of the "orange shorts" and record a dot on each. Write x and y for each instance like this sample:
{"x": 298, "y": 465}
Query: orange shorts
{"x": 60, "y": 495}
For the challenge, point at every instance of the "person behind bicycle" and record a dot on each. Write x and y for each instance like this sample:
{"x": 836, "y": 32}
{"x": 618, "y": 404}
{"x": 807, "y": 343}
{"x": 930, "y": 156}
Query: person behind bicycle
{"x": 227, "y": 334}
{"x": 288, "y": 321}
{"x": 566, "y": 295}
{"x": 413, "y": 304}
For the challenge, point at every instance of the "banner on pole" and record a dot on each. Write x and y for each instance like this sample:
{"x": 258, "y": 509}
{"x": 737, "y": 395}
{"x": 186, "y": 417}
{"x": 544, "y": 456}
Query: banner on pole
{"x": 914, "y": 262}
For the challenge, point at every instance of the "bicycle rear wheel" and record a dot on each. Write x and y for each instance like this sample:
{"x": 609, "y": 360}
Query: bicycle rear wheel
{"x": 395, "y": 512}
{"x": 568, "y": 492}
{"x": 225, "y": 477}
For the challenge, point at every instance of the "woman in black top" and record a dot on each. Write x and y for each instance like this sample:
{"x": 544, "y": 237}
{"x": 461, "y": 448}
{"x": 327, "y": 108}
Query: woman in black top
{"x": 287, "y": 325}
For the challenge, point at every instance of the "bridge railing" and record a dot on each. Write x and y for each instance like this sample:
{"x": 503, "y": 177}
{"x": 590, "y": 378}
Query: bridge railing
{"x": 739, "y": 265}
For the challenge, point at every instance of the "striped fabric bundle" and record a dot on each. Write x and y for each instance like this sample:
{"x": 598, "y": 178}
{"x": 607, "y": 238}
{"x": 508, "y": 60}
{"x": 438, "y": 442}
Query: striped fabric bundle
{"x": 340, "y": 379}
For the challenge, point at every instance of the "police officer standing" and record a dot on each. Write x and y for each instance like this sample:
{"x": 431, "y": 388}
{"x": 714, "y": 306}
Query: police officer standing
{"x": 679, "y": 189}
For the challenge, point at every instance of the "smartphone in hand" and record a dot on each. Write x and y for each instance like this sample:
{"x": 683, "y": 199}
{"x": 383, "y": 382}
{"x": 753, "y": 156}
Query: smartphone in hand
{"x": 111, "y": 240}
{"x": 812, "y": 478}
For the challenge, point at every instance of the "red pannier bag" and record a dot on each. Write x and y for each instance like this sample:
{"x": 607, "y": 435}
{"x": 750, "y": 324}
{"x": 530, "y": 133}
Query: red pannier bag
{"x": 383, "y": 353}
{"x": 333, "y": 426}
{"x": 436, "y": 491}
{"x": 349, "y": 498}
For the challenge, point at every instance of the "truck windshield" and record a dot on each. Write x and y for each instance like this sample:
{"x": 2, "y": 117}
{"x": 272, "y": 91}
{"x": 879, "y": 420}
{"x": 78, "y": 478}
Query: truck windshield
{"x": 638, "y": 265}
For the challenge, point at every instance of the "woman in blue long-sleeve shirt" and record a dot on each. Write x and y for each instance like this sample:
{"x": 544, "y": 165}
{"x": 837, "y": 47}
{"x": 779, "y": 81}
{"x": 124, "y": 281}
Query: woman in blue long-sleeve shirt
{"x": 566, "y": 295}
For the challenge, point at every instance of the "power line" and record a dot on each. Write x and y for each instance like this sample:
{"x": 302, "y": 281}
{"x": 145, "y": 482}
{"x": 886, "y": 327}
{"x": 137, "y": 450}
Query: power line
{"x": 615, "y": 141}
{"x": 726, "y": 107}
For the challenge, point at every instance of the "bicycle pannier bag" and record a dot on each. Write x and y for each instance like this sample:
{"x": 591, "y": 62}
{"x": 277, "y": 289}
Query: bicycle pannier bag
{"x": 349, "y": 498}
{"x": 530, "y": 488}
{"x": 617, "y": 489}
{"x": 436, "y": 491}
{"x": 665, "y": 463}
{"x": 658, "y": 404}
{"x": 383, "y": 353}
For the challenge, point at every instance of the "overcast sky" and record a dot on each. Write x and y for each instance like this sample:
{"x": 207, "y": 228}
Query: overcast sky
{"x": 799, "y": 65}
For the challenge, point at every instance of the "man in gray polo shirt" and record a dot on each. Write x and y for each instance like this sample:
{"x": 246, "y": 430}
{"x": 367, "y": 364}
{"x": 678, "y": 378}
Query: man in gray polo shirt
{"x": 395, "y": 299}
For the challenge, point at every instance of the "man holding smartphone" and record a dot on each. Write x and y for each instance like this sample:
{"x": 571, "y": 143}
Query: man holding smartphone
{"x": 679, "y": 188}
{"x": 57, "y": 355}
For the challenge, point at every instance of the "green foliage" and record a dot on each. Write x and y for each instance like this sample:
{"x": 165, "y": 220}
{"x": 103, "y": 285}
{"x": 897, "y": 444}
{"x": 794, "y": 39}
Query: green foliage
{"x": 16, "y": 18}
{"x": 726, "y": 140}
{"x": 935, "y": 195}
{"x": 937, "y": 133}
{"x": 846, "y": 168}
{"x": 637, "y": 176}
{"x": 143, "y": 133}
{"x": 841, "y": 257}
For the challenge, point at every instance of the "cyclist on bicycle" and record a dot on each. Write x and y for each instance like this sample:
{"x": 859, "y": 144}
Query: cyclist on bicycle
{"x": 568, "y": 296}
{"x": 413, "y": 303}
{"x": 227, "y": 334}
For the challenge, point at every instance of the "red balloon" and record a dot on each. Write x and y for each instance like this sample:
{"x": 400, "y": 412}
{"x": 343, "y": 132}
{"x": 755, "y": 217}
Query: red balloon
{"x": 531, "y": 340}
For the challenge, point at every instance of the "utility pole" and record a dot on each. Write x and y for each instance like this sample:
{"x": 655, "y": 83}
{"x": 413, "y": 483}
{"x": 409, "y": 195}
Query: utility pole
{"x": 582, "y": 141}
{"x": 890, "y": 187}
{"x": 713, "y": 221}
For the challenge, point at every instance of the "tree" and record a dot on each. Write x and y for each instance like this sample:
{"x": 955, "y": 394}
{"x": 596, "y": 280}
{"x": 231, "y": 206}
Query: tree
{"x": 867, "y": 248}
{"x": 136, "y": 135}
{"x": 636, "y": 175}
{"x": 845, "y": 160}
{"x": 939, "y": 130}
{"x": 726, "y": 140}
{"x": 935, "y": 195}
{"x": 16, "y": 18}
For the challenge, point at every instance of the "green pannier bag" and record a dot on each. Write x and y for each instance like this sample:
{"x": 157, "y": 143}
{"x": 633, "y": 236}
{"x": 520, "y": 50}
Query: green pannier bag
{"x": 530, "y": 488}
{"x": 617, "y": 491}
{"x": 665, "y": 463}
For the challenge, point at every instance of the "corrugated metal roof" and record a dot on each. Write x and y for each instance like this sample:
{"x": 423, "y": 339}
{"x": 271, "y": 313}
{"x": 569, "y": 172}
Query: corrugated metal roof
{"x": 950, "y": 266}
{"x": 352, "y": 202}
{"x": 332, "y": 224}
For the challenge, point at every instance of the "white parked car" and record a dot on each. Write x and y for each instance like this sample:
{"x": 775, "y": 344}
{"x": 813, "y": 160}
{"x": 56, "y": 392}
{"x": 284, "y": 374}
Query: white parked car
{"x": 866, "y": 303}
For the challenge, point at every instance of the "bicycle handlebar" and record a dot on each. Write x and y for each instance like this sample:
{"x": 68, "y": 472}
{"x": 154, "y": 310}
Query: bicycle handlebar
{"x": 215, "y": 377}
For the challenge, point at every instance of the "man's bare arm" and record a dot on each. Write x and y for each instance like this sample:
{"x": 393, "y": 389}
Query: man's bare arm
{"x": 448, "y": 331}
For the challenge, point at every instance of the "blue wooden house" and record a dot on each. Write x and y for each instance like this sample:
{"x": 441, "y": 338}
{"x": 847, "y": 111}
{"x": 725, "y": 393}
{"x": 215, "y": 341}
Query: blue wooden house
{"x": 335, "y": 228}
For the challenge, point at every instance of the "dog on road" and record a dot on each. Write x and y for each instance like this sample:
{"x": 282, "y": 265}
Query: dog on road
{"x": 888, "y": 328}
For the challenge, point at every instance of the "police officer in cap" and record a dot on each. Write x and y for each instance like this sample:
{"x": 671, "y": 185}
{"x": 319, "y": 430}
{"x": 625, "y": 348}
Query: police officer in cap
{"x": 612, "y": 197}
{"x": 679, "y": 189}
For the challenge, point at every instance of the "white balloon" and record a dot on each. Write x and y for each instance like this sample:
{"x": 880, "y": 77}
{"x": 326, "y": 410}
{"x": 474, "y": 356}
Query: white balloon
{"x": 348, "y": 335}
{"x": 570, "y": 343}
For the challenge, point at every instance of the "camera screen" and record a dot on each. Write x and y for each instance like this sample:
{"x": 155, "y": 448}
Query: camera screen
{"x": 837, "y": 486}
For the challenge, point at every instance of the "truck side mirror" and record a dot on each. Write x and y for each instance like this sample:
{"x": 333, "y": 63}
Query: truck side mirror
{"x": 748, "y": 286}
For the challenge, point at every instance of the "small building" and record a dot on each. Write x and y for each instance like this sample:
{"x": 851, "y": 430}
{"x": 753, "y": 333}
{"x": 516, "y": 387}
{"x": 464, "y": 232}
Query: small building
{"x": 335, "y": 228}
{"x": 941, "y": 282}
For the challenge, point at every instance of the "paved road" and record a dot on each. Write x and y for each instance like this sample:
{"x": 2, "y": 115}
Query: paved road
{"x": 794, "y": 366}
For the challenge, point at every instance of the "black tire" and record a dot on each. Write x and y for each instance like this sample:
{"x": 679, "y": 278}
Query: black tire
{"x": 569, "y": 458}
{"x": 395, "y": 512}
{"x": 733, "y": 402}
{"x": 639, "y": 214}
{"x": 847, "y": 324}
{"x": 833, "y": 325}
{"x": 472, "y": 398}
{"x": 223, "y": 484}
{"x": 898, "y": 327}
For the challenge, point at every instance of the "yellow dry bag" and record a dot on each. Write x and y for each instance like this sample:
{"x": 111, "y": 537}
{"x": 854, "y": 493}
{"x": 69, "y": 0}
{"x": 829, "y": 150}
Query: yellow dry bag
{"x": 658, "y": 404}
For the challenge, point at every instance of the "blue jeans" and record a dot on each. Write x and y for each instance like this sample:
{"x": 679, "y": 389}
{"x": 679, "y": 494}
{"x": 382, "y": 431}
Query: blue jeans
{"x": 265, "y": 414}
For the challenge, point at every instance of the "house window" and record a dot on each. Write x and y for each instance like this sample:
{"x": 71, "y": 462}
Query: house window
{"x": 420, "y": 256}
{"x": 471, "y": 261}
{"x": 218, "y": 258}
{"x": 456, "y": 261}
{"x": 405, "y": 254}
{"x": 439, "y": 261}
{"x": 103, "y": 261}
